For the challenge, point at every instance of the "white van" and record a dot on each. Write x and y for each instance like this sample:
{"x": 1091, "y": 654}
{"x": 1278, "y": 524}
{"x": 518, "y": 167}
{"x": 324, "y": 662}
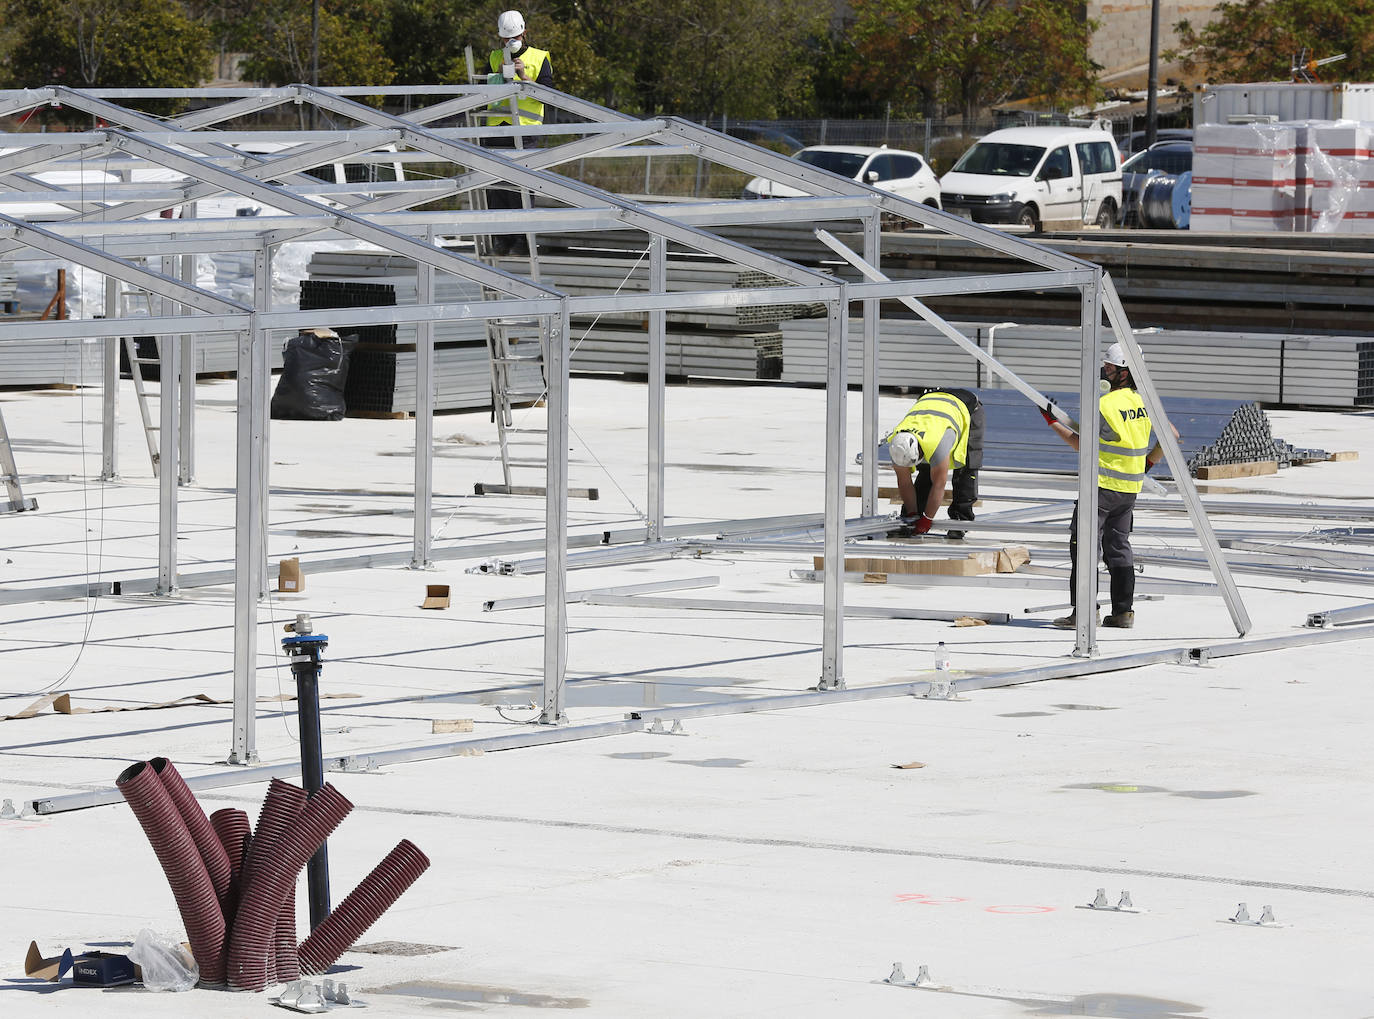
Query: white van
{"x": 1033, "y": 176}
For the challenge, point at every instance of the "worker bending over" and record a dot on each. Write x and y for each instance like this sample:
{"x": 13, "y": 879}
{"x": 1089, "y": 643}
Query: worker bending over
{"x": 942, "y": 434}
{"x": 1124, "y": 455}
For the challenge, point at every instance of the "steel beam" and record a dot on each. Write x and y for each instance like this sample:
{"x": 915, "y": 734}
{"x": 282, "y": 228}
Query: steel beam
{"x": 1086, "y": 533}
{"x": 836, "y": 394}
{"x": 1183, "y": 480}
{"x": 556, "y": 525}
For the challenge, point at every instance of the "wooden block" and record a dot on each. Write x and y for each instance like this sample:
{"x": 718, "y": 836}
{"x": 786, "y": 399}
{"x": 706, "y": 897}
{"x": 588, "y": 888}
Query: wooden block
{"x": 452, "y": 725}
{"x": 1344, "y": 455}
{"x": 974, "y": 564}
{"x": 1253, "y": 469}
{"x": 875, "y": 578}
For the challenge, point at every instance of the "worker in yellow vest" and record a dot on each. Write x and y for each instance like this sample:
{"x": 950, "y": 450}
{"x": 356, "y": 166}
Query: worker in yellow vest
{"x": 1125, "y": 453}
{"x": 514, "y": 61}
{"x": 940, "y": 437}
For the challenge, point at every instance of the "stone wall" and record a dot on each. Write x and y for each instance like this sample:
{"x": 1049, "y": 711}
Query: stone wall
{"x": 1122, "y": 43}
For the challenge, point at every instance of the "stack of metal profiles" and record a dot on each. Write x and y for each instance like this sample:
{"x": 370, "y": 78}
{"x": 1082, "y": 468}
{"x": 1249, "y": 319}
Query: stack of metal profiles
{"x": 1210, "y": 432}
{"x": 1318, "y": 371}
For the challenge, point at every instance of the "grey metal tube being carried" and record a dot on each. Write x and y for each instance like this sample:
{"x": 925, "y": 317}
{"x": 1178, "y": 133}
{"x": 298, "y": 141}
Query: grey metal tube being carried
{"x": 181, "y": 861}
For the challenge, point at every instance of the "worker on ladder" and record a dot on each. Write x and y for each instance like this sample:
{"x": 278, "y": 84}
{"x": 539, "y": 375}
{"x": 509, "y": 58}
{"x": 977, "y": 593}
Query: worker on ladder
{"x": 515, "y": 61}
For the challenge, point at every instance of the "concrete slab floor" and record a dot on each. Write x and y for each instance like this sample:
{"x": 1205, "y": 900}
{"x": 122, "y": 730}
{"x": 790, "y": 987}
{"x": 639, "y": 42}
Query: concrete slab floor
{"x": 772, "y": 863}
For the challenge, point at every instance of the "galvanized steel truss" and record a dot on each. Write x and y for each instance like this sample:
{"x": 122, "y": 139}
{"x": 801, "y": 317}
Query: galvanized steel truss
{"x": 105, "y": 232}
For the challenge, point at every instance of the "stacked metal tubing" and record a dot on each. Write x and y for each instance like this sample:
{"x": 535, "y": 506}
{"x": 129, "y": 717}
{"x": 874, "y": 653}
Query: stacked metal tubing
{"x": 251, "y": 898}
{"x": 361, "y": 908}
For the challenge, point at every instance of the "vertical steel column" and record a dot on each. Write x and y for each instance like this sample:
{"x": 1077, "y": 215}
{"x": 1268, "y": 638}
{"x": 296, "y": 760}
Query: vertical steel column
{"x": 873, "y": 255}
{"x": 262, "y": 388}
{"x": 187, "y": 462}
{"x": 1173, "y": 455}
{"x": 424, "y": 418}
{"x": 109, "y": 397}
{"x": 658, "y": 340}
{"x": 169, "y": 446}
{"x": 248, "y": 544}
{"x": 556, "y": 526}
{"x": 1085, "y": 595}
{"x": 836, "y": 392}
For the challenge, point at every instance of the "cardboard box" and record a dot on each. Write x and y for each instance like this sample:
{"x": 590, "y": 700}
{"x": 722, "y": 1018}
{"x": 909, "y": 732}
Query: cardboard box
{"x": 971, "y": 566}
{"x": 37, "y": 967}
{"x": 290, "y": 580}
{"x": 436, "y": 596}
{"x": 103, "y": 969}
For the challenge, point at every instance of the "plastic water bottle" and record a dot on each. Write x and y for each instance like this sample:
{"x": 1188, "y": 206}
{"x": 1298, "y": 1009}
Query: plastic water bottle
{"x": 941, "y": 657}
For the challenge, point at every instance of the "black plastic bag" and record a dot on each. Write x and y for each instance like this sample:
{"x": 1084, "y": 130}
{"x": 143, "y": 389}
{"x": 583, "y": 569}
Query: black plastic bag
{"x": 314, "y": 370}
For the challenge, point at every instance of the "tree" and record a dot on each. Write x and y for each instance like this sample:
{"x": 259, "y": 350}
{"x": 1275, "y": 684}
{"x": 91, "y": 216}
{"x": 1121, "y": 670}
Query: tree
{"x": 109, "y": 43}
{"x": 277, "y": 37}
{"x": 929, "y": 56}
{"x": 1257, "y": 40}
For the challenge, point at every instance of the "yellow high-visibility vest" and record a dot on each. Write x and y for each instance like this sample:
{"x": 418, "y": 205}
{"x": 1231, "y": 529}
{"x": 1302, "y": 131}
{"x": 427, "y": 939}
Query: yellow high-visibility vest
{"x": 531, "y": 110}
{"x": 1121, "y": 462}
{"x": 930, "y": 418}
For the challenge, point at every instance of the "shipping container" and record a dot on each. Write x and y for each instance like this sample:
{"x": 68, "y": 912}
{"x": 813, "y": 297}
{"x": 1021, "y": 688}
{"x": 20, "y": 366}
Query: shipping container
{"x": 1284, "y": 100}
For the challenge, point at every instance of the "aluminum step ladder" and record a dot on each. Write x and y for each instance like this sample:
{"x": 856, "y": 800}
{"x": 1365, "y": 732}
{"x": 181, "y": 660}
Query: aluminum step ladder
{"x": 136, "y": 363}
{"x": 17, "y": 503}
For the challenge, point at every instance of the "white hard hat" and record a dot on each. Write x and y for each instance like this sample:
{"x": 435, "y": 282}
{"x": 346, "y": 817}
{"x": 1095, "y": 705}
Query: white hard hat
{"x": 1115, "y": 355}
{"x": 903, "y": 450}
{"x": 510, "y": 24}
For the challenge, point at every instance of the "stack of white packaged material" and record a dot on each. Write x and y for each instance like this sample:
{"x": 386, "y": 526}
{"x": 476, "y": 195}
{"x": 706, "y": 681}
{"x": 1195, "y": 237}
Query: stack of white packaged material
{"x": 1245, "y": 178}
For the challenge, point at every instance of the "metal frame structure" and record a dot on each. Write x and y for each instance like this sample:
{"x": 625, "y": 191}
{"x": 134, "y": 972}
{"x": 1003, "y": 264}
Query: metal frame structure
{"x": 108, "y": 231}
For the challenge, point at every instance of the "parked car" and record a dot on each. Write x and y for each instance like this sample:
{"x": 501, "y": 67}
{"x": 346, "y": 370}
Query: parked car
{"x": 1036, "y": 175}
{"x": 765, "y": 136}
{"x": 1172, "y": 157}
{"x": 903, "y": 173}
{"x": 1136, "y": 142}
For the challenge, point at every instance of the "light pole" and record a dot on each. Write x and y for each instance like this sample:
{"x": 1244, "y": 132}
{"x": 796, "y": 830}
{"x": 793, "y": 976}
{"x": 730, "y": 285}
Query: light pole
{"x": 1152, "y": 89}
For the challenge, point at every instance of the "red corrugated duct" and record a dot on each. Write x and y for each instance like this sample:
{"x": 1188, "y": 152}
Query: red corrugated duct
{"x": 280, "y": 808}
{"x": 232, "y": 826}
{"x": 360, "y": 910}
{"x": 270, "y": 877}
{"x": 211, "y": 850}
{"x": 195, "y": 894}
{"x": 288, "y": 965}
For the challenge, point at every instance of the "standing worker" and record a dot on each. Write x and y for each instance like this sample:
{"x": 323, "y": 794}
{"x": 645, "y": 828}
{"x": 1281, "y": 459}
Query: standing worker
{"x": 940, "y": 435}
{"x": 515, "y": 61}
{"x": 1124, "y": 455}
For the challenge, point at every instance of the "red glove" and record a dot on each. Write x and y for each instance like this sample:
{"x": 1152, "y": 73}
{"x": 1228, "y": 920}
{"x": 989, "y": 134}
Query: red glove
{"x": 924, "y": 523}
{"x": 1050, "y": 419}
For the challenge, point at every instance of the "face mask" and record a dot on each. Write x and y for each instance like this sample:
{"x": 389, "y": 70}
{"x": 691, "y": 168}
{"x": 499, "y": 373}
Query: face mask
{"x": 513, "y": 45}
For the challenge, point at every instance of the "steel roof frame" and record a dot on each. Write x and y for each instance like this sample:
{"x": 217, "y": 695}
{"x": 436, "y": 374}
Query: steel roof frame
{"x": 212, "y": 166}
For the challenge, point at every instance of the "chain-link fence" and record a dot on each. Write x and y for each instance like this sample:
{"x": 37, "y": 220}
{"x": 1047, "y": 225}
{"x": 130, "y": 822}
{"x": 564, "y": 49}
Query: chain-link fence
{"x": 942, "y": 142}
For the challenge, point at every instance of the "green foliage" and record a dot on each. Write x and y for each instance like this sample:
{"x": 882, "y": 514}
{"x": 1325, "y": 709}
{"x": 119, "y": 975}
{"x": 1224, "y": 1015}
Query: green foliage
{"x": 1257, "y": 40}
{"x": 105, "y": 43}
{"x": 929, "y": 56}
{"x": 277, "y": 35}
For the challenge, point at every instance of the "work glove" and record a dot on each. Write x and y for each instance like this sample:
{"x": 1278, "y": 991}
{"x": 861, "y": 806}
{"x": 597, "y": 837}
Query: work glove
{"x": 923, "y": 524}
{"x": 1047, "y": 412}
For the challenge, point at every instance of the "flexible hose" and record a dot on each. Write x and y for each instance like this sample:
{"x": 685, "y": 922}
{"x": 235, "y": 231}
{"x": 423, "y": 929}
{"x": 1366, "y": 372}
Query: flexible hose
{"x": 270, "y": 878}
{"x": 181, "y": 861}
{"x": 360, "y": 909}
{"x": 207, "y": 842}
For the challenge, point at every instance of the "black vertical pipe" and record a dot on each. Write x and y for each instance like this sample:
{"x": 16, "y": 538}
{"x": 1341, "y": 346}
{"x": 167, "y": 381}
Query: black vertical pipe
{"x": 1152, "y": 88}
{"x": 305, "y": 666}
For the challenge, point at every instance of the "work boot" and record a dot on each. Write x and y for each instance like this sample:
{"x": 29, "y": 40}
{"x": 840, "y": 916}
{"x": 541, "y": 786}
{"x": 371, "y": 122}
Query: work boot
{"x": 1121, "y": 620}
{"x": 1068, "y": 622}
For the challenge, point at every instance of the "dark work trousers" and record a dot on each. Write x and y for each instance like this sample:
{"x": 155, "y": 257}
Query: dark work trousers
{"x": 1115, "y": 514}
{"x": 963, "y": 480}
{"x": 504, "y": 198}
